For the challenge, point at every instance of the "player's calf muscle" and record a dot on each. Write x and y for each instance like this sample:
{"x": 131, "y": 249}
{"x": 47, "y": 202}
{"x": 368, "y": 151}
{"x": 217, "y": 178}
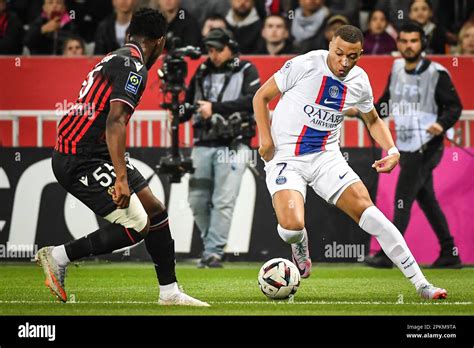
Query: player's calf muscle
{"x": 355, "y": 200}
{"x": 152, "y": 205}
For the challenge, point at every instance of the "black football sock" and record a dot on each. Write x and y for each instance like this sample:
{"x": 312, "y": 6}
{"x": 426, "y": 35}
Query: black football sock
{"x": 103, "y": 241}
{"x": 160, "y": 246}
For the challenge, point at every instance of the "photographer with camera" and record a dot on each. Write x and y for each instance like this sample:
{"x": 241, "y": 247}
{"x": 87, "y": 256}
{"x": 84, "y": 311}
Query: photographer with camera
{"x": 222, "y": 90}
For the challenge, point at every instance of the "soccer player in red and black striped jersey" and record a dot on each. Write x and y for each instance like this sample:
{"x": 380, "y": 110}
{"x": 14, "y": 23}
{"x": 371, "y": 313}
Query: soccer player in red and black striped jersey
{"x": 89, "y": 162}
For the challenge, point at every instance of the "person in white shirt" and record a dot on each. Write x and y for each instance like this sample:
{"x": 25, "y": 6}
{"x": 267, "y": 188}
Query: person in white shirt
{"x": 301, "y": 147}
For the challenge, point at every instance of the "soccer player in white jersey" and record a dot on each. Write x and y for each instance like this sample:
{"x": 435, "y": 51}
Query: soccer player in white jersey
{"x": 301, "y": 147}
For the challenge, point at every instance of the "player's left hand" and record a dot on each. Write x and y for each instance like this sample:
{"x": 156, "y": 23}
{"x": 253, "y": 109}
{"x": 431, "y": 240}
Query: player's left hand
{"x": 435, "y": 129}
{"x": 386, "y": 164}
{"x": 205, "y": 108}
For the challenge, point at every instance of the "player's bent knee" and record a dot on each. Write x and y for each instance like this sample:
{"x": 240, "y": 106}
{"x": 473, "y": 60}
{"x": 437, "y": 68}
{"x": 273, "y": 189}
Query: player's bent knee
{"x": 134, "y": 217}
{"x": 292, "y": 224}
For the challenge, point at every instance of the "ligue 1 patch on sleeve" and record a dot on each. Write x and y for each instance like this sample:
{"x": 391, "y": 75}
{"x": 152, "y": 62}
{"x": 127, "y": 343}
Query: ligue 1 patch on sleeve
{"x": 133, "y": 82}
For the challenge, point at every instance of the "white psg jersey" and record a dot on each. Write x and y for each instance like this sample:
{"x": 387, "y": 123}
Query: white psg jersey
{"x": 309, "y": 114}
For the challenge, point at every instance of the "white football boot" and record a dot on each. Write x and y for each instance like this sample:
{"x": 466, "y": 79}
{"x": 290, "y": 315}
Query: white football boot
{"x": 301, "y": 258}
{"x": 430, "y": 292}
{"x": 54, "y": 273}
{"x": 181, "y": 299}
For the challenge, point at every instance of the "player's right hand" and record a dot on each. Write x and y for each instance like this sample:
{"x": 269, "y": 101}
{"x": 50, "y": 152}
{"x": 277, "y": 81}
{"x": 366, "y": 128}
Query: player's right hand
{"x": 267, "y": 151}
{"x": 121, "y": 194}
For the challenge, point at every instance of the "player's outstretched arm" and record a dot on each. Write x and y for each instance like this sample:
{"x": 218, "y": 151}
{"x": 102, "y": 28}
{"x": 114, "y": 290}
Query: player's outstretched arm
{"x": 264, "y": 95}
{"x": 380, "y": 132}
{"x": 115, "y": 133}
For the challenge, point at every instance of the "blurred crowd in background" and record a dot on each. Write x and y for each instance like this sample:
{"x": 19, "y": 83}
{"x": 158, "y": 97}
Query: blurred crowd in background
{"x": 267, "y": 27}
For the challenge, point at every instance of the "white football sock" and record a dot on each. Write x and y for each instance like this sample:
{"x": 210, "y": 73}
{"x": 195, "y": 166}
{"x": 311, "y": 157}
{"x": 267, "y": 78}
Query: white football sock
{"x": 390, "y": 239}
{"x": 59, "y": 254}
{"x": 169, "y": 290}
{"x": 291, "y": 236}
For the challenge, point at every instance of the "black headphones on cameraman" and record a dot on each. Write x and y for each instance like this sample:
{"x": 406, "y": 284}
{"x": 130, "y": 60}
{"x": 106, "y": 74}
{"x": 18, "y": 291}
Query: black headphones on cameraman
{"x": 233, "y": 65}
{"x": 229, "y": 39}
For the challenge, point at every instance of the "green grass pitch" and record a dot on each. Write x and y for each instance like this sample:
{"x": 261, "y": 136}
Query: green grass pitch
{"x": 131, "y": 289}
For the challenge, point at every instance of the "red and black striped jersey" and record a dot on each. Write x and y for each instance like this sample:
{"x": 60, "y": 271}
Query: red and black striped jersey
{"x": 119, "y": 76}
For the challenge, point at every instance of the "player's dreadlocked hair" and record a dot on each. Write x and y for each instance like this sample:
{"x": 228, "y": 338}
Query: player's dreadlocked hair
{"x": 349, "y": 33}
{"x": 148, "y": 23}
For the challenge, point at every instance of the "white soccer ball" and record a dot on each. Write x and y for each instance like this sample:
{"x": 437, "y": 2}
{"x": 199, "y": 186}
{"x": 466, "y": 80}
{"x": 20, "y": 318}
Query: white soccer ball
{"x": 279, "y": 278}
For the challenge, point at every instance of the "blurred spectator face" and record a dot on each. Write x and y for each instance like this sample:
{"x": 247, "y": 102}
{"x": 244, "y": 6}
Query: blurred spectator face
{"x": 210, "y": 24}
{"x": 466, "y": 39}
{"x": 311, "y": 5}
{"x": 124, "y": 6}
{"x": 420, "y": 12}
{"x": 73, "y": 48}
{"x": 219, "y": 56}
{"x": 3, "y": 6}
{"x": 242, "y": 7}
{"x": 377, "y": 22}
{"x": 409, "y": 45}
{"x": 54, "y": 8}
{"x": 274, "y": 30}
{"x": 168, "y": 5}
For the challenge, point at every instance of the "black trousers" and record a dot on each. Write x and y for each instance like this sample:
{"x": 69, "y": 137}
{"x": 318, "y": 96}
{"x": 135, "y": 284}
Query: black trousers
{"x": 416, "y": 182}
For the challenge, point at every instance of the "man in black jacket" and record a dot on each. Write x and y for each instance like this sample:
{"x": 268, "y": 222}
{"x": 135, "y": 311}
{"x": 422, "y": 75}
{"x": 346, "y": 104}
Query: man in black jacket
{"x": 275, "y": 37}
{"x": 422, "y": 98}
{"x": 245, "y": 24}
{"x": 112, "y": 30}
{"x": 223, "y": 87}
{"x": 181, "y": 25}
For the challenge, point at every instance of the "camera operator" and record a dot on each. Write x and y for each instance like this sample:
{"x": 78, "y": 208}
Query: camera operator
{"x": 222, "y": 90}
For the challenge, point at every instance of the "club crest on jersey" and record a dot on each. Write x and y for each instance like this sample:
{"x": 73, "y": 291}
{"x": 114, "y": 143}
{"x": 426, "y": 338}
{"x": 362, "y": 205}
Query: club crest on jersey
{"x": 133, "y": 82}
{"x": 334, "y": 91}
{"x": 280, "y": 180}
{"x": 332, "y": 94}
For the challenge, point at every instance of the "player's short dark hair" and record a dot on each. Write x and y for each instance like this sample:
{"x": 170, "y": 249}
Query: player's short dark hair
{"x": 349, "y": 33}
{"x": 411, "y": 27}
{"x": 148, "y": 23}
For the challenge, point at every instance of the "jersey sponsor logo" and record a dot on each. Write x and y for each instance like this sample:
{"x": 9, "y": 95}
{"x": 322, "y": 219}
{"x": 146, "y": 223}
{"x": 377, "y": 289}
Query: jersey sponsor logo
{"x": 332, "y": 93}
{"x": 322, "y": 118}
{"x": 133, "y": 82}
